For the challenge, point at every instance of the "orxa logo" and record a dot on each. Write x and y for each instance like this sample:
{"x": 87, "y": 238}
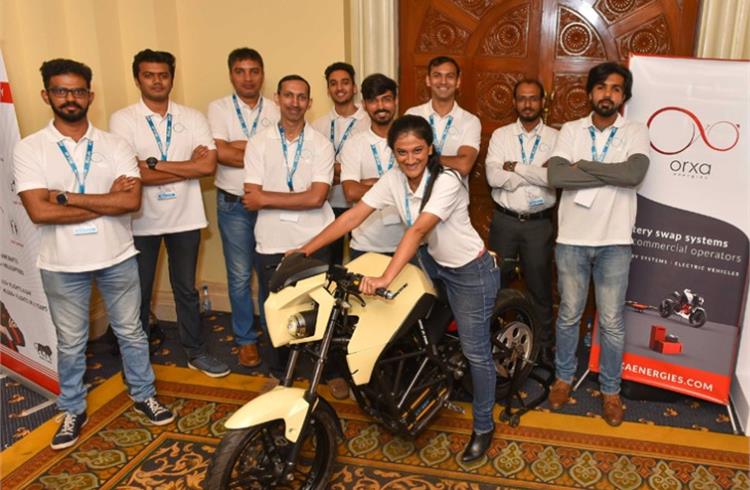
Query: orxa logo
{"x": 680, "y": 128}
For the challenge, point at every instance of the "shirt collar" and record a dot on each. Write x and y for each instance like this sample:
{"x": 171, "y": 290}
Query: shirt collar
{"x": 619, "y": 122}
{"x": 453, "y": 112}
{"x": 374, "y": 137}
{"x": 519, "y": 129}
{"x": 242, "y": 103}
{"x": 358, "y": 114}
{"x": 145, "y": 111}
{"x": 277, "y": 135}
{"x": 422, "y": 185}
{"x": 54, "y": 135}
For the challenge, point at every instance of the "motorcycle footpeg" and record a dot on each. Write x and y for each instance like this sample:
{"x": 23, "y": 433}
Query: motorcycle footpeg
{"x": 453, "y": 407}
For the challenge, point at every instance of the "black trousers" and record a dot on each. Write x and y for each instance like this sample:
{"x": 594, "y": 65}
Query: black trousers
{"x": 532, "y": 241}
{"x": 182, "y": 257}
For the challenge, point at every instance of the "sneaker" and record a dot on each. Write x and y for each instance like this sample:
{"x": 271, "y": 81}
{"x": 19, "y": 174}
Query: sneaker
{"x": 67, "y": 434}
{"x": 154, "y": 411}
{"x": 208, "y": 365}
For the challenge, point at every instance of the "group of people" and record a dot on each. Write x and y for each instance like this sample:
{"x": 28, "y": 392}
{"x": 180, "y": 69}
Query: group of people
{"x": 395, "y": 183}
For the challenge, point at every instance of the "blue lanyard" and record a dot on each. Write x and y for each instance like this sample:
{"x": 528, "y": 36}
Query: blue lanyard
{"x": 348, "y": 130}
{"x": 378, "y": 164}
{"x": 594, "y": 155}
{"x": 407, "y": 204}
{"x": 439, "y": 146}
{"x": 162, "y": 149}
{"x": 86, "y": 163}
{"x": 243, "y": 124}
{"x": 290, "y": 172}
{"x": 533, "y": 149}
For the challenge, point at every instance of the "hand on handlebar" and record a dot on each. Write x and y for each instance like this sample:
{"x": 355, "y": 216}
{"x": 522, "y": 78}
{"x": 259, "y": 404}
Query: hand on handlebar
{"x": 370, "y": 285}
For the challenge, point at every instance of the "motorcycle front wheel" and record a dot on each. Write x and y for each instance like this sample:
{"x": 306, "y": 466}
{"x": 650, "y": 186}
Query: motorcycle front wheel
{"x": 254, "y": 458}
{"x": 697, "y": 318}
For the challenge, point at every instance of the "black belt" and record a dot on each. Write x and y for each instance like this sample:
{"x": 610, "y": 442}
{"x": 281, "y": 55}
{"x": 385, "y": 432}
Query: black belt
{"x": 229, "y": 197}
{"x": 544, "y": 214}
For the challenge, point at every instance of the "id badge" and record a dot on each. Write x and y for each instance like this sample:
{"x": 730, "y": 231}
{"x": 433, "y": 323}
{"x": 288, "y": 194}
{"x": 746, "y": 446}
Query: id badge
{"x": 289, "y": 217}
{"x": 534, "y": 198}
{"x": 391, "y": 217}
{"x": 85, "y": 229}
{"x": 166, "y": 193}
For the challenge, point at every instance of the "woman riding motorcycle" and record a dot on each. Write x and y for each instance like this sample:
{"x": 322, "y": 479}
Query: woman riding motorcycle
{"x": 433, "y": 202}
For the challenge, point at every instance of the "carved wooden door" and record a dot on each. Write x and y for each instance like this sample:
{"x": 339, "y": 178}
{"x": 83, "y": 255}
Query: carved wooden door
{"x": 498, "y": 42}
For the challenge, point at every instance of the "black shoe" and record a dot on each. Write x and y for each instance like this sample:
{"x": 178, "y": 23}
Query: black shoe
{"x": 70, "y": 428}
{"x": 476, "y": 446}
{"x": 155, "y": 339}
{"x": 156, "y": 413}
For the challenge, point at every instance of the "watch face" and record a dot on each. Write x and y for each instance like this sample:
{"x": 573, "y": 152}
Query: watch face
{"x": 151, "y": 162}
{"x": 62, "y": 198}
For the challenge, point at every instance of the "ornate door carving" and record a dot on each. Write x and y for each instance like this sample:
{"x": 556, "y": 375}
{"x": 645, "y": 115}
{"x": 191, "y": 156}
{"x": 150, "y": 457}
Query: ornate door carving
{"x": 498, "y": 42}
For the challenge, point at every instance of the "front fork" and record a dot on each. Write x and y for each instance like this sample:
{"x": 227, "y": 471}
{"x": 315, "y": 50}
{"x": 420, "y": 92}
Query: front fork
{"x": 311, "y": 395}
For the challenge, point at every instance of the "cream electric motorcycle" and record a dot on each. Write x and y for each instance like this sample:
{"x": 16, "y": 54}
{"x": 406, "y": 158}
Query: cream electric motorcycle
{"x": 402, "y": 358}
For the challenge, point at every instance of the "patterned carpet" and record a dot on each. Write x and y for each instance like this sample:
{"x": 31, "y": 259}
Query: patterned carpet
{"x": 548, "y": 451}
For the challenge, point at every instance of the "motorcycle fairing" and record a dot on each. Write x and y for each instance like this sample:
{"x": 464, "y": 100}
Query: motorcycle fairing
{"x": 280, "y": 403}
{"x": 380, "y": 319}
{"x": 295, "y": 299}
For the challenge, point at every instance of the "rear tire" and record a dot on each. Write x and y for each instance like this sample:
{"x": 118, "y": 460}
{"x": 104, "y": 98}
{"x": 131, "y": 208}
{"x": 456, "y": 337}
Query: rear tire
{"x": 253, "y": 458}
{"x": 666, "y": 307}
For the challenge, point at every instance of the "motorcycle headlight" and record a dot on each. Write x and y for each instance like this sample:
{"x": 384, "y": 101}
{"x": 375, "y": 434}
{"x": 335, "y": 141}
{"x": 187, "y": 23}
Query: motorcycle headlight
{"x": 700, "y": 300}
{"x": 302, "y": 324}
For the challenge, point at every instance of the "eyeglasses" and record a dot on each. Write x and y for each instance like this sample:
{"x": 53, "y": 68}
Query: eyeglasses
{"x": 62, "y": 93}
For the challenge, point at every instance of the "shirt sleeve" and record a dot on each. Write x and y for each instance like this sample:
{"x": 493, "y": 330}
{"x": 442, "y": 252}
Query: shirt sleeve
{"x": 217, "y": 121}
{"x": 565, "y": 145}
{"x": 125, "y": 161}
{"x": 121, "y": 125}
{"x": 381, "y": 195}
{"x": 202, "y": 132}
{"x": 254, "y": 161}
{"x": 323, "y": 165}
{"x": 350, "y": 159}
{"x": 639, "y": 141}
{"x": 27, "y": 171}
{"x": 445, "y": 195}
{"x": 472, "y": 133}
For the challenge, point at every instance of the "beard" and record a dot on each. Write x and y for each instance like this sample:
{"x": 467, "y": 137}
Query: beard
{"x": 70, "y": 117}
{"x": 606, "y": 111}
{"x": 382, "y": 118}
{"x": 529, "y": 116}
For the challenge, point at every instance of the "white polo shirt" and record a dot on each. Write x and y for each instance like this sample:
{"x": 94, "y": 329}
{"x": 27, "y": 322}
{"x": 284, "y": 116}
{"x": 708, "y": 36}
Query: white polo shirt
{"x": 383, "y": 229}
{"x": 39, "y": 164}
{"x": 279, "y": 230}
{"x": 340, "y": 137}
{"x": 175, "y": 207}
{"x": 226, "y": 125}
{"x": 526, "y": 190}
{"x": 453, "y": 242}
{"x": 610, "y": 217}
{"x": 465, "y": 128}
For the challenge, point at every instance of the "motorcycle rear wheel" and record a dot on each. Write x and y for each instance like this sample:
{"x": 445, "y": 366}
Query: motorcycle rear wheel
{"x": 666, "y": 307}
{"x": 253, "y": 458}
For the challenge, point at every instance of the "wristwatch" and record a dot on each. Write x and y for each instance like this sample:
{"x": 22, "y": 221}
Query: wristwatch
{"x": 151, "y": 162}
{"x": 62, "y": 198}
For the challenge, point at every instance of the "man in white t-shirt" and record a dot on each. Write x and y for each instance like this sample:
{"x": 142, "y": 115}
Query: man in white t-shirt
{"x": 80, "y": 185}
{"x": 364, "y": 160}
{"x": 524, "y": 202}
{"x": 288, "y": 173}
{"x": 339, "y": 125}
{"x": 234, "y": 119}
{"x": 598, "y": 161}
{"x": 457, "y": 132}
{"x": 175, "y": 149}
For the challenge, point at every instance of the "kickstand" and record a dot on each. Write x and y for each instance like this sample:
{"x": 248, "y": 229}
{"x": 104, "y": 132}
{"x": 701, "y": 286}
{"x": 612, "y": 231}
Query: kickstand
{"x": 513, "y": 417}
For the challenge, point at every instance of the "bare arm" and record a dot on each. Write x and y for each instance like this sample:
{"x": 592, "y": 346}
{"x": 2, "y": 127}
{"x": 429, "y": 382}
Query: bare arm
{"x": 202, "y": 163}
{"x": 629, "y": 173}
{"x": 355, "y": 189}
{"x": 123, "y": 197}
{"x": 231, "y": 153}
{"x": 156, "y": 177}
{"x": 42, "y": 212}
{"x": 463, "y": 161}
{"x": 406, "y": 249}
{"x": 345, "y": 223}
{"x": 563, "y": 175}
{"x": 256, "y": 198}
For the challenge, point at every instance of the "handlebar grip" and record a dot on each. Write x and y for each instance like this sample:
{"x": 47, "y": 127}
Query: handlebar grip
{"x": 384, "y": 293}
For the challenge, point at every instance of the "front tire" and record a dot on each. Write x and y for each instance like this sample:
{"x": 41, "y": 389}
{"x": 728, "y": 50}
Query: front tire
{"x": 697, "y": 318}
{"x": 254, "y": 458}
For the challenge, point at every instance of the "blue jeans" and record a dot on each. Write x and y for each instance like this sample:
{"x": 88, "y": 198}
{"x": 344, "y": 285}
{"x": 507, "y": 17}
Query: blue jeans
{"x": 237, "y": 228}
{"x": 69, "y": 294}
{"x": 182, "y": 255}
{"x": 472, "y": 290}
{"x": 610, "y": 266}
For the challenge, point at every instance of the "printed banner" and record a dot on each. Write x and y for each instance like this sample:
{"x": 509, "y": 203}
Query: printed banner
{"x": 690, "y": 254}
{"x": 27, "y": 335}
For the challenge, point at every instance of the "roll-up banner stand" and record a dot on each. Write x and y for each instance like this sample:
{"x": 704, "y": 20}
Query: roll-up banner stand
{"x": 27, "y": 335}
{"x": 688, "y": 279}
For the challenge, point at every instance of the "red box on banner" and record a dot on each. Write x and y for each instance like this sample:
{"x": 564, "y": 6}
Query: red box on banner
{"x": 658, "y": 332}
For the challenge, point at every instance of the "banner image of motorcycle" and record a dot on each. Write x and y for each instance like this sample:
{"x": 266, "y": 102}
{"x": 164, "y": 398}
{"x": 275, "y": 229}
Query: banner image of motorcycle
{"x": 688, "y": 274}
{"x": 27, "y": 335}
